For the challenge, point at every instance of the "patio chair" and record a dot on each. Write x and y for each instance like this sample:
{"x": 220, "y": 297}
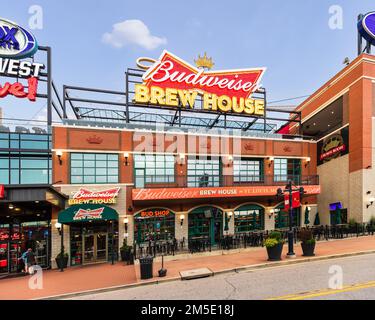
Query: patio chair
{"x": 38, "y": 130}
{"x": 20, "y": 129}
{"x": 4, "y": 129}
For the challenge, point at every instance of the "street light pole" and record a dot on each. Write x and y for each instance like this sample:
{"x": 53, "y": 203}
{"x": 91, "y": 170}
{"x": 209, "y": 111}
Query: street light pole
{"x": 290, "y": 253}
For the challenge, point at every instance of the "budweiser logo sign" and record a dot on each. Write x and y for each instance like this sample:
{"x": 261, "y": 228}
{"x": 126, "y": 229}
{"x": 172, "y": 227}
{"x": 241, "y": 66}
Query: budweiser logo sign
{"x": 86, "y": 196}
{"x": 173, "y": 82}
{"x": 83, "y": 214}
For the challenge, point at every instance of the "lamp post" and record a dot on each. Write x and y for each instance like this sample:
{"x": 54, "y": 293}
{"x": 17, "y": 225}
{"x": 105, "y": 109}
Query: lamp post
{"x": 289, "y": 189}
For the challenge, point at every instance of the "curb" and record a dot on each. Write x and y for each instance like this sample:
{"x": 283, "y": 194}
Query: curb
{"x": 224, "y": 271}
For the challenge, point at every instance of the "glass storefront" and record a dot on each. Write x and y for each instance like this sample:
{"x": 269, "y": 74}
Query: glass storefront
{"x": 92, "y": 242}
{"x": 154, "y": 224}
{"x": 285, "y": 169}
{"x": 16, "y": 238}
{"x": 248, "y": 218}
{"x": 206, "y": 223}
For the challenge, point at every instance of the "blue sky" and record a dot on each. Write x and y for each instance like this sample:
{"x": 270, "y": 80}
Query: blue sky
{"x": 291, "y": 38}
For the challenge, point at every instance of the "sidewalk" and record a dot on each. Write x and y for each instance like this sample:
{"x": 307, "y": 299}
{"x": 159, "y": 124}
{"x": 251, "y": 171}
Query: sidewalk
{"x": 77, "y": 279}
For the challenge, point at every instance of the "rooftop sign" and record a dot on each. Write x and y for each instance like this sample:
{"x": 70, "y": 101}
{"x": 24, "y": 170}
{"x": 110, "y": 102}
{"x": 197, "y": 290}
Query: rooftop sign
{"x": 366, "y": 27}
{"x": 171, "y": 81}
{"x": 15, "y": 41}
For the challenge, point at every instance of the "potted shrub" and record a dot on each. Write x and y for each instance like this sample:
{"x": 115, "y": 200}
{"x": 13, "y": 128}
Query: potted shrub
{"x": 307, "y": 242}
{"x": 126, "y": 252}
{"x": 62, "y": 262}
{"x": 274, "y": 245}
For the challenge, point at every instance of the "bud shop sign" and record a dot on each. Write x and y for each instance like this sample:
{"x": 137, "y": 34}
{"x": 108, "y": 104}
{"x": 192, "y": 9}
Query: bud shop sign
{"x": 85, "y": 196}
{"x": 17, "y": 43}
{"x": 154, "y": 213}
{"x": 173, "y": 82}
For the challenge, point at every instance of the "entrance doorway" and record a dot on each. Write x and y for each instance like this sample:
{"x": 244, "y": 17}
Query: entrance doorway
{"x": 95, "y": 247}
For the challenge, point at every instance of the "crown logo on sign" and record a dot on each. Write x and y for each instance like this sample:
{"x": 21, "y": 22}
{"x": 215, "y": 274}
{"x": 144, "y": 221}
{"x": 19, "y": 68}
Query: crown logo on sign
{"x": 287, "y": 149}
{"x": 94, "y": 139}
{"x": 204, "y": 62}
{"x": 249, "y": 147}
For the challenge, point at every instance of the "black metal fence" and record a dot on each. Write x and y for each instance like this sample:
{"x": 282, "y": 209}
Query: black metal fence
{"x": 248, "y": 239}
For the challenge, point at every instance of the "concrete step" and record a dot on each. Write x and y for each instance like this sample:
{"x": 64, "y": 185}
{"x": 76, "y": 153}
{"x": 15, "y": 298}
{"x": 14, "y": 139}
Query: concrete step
{"x": 196, "y": 273}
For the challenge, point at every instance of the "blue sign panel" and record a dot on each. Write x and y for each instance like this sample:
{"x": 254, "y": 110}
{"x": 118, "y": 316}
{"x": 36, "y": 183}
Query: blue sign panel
{"x": 15, "y": 41}
{"x": 366, "y": 27}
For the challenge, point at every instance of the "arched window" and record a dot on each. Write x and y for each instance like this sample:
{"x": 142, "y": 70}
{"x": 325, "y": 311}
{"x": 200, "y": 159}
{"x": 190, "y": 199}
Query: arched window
{"x": 154, "y": 224}
{"x": 248, "y": 217}
{"x": 282, "y": 217}
{"x": 206, "y": 223}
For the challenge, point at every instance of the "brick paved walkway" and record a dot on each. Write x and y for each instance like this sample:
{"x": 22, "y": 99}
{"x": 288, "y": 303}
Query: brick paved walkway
{"x": 84, "y": 278}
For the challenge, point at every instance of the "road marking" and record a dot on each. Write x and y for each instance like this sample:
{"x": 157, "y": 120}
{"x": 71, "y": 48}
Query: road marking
{"x": 325, "y": 292}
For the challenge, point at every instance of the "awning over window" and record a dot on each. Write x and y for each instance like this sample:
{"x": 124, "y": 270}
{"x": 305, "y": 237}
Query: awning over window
{"x": 87, "y": 212}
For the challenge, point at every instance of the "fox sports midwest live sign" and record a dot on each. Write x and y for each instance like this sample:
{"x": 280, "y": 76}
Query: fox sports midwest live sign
{"x": 15, "y": 41}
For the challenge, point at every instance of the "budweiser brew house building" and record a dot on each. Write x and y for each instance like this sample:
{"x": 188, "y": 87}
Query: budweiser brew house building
{"x": 181, "y": 161}
{"x": 182, "y": 155}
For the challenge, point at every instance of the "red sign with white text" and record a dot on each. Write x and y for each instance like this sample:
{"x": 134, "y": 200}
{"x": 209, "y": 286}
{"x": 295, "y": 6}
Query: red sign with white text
{"x": 172, "y": 72}
{"x": 296, "y": 201}
{"x": 219, "y": 192}
{"x": 83, "y": 214}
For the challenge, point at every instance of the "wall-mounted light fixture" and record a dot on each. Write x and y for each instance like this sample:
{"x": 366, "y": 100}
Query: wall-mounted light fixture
{"x": 182, "y": 218}
{"x": 230, "y": 160}
{"x": 270, "y": 214}
{"x": 230, "y": 215}
{"x": 371, "y": 200}
{"x": 130, "y": 209}
{"x": 58, "y": 227}
{"x": 181, "y": 158}
{"x": 307, "y": 161}
{"x": 11, "y": 206}
{"x": 59, "y": 154}
{"x": 126, "y": 157}
{"x": 270, "y": 161}
{"x": 126, "y": 222}
{"x": 368, "y": 192}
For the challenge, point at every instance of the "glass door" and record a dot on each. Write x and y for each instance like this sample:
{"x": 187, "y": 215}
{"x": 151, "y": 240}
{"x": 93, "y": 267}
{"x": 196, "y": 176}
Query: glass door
{"x": 101, "y": 247}
{"x": 89, "y": 248}
{"x": 4, "y": 257}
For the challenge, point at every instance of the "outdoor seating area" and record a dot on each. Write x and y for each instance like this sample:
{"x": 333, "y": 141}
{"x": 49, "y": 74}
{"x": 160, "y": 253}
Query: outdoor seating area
{"x": 248, "y": 239}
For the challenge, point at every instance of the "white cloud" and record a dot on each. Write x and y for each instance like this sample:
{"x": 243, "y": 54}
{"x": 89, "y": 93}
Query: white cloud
{"x": 132, "y": 32}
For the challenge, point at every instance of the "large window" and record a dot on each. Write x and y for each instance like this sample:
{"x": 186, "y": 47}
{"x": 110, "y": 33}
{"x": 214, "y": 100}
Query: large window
{"x": 94, "y": 168}
{"x": 203, "y": 172}
{"x": 25, "y": 168}
{"x": 285, "y": 169}
{"x": 153, "y": 169}
{"x": 247, "y": 170}
{"x": 248, "y": 218}
{"x": 25, "y": 158}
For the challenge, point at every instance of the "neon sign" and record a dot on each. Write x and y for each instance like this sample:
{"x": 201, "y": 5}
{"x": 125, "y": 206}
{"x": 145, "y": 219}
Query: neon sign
{"x": 83, "y": 196}
{"x": 172, "y": 81}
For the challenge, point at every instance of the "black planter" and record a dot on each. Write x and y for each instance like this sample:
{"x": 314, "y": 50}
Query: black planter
{"x": 274, "y": 253}
{"x": 127, "y": 256}
{"x": 308, "y": 249}
{"x": 62, "y": 263}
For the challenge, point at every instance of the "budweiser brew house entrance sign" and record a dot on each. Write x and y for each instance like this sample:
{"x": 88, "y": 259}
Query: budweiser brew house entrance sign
{"x": 85, "y": 196}
{"x": 171, "y": 81}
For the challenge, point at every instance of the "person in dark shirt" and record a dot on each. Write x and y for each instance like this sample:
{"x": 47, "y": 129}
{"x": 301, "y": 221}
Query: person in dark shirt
{"x": 30, "y": 259}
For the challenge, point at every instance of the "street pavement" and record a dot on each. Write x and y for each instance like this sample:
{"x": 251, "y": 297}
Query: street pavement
{"x": 309, "y": 281}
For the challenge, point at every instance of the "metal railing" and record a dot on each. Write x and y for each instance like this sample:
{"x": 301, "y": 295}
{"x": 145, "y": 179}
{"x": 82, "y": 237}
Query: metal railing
{"x": 248, "y": 239}
{"x": 206, "y": 180}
